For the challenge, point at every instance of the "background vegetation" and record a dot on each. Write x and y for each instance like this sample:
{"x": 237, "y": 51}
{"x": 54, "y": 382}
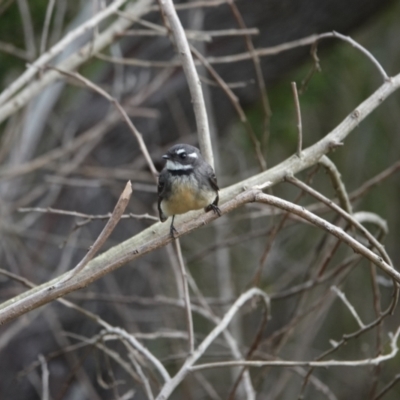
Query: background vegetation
{"x": 57, "y": 352}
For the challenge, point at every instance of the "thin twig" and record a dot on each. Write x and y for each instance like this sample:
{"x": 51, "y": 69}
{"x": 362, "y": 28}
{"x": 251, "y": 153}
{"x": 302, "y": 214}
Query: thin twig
{"x": 231, "y": 342}
{"x": 364, "y": 51}
{"x": 205, "y": 36}
{"x": 236, "y": 104}
{"x": 393, "y": 382}
{"x": 27, "y": 26}
{"x": 258, "y": 70}
{"x": 50, "y": 210}
{"x": 169, "y": 387}
{"x": 189, "y": 318}
{"x": 338, "y": 184}
{"x": 261, "y": 52}
{"x": 352, "y": 310}
{"x": 298, "y": 117}
{"x": 46, "y": 25}
{"x": 145, "y": 381}
{"x": 349, "y": 218}
{"x": 105, "y": 233}
{"x": 45, "y": 378}
{"x": 369, "y": 217}
{"x": 330, "y": 228}
{"x": 315, "y": 364}
{"x": 92, "y": 134}
{"x": 376, "y": 180}
{"x": 141, "y": 349}
{"x": 15, "y": 51}
{"x": 194, "y": 4}
{"x": 121, "y": 110}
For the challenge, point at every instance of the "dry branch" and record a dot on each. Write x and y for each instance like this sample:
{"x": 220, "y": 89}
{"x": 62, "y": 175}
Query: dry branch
{"x": 316, "y": 364}
{"x": 199, "y": 106}
{"x": 105, "y": 233}
{"x": 158, "y": 234}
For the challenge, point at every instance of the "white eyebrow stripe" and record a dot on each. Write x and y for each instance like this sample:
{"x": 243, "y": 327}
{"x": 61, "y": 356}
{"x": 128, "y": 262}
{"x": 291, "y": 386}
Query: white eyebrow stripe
{"x": 193, "y": 155}
{"x": 180, "y": 151}
{"x": 174, "y": 166}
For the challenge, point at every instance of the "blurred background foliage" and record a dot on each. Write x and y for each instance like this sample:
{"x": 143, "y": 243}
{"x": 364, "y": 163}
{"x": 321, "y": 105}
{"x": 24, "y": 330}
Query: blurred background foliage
{"x": 346, "y": 79}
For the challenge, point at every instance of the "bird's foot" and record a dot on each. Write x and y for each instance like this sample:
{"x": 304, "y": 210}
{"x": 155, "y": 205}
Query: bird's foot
{"x": 172, "y": 231}
{"x": 215, "y": 208}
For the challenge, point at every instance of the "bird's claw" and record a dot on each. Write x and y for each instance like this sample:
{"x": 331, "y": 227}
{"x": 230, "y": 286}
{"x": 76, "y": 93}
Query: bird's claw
{"x": 215, "y": 208}
{"x": 172, "y": 231}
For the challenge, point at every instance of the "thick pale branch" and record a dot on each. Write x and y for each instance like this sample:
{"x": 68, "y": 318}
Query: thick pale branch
{"x": 158, "y": 234}
{"x": 199, "y": 106}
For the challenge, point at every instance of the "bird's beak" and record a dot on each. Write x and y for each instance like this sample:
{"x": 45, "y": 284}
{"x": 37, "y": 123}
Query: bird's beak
{"x": 166, "y": 157}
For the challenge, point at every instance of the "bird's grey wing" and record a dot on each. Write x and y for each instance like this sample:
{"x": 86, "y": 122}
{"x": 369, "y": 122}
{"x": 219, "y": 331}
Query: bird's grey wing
{"x": 212, "y": 178}
{"x": 162, "y": 184}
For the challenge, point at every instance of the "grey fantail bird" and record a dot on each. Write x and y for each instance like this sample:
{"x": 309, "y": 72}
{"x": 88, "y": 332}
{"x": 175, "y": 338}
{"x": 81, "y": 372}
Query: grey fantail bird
{"x": 186, "y": 183}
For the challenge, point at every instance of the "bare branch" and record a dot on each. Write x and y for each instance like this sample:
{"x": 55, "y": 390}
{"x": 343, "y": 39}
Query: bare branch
{"x": 298, "y": 116}
{"x": 258, "y": 70}
{"x": 364, "y": 51}
{"x": 315, "y": 364}
{"x": 105, "y": 233}
{"x": 337, "y": 183}
{"x": 395, "y": 380}
{"x": 169, "y": 387}
{"x": 199, "y": 106}
{"x": 91, "y": 217}
{"x": 141, "y": 349}
{"x": 143, "y": 377}
{"x": 348, "y": 217}
{"x": 195, "y": 4}
{"x": 15, "y": 51}
{"x": 158, "y": 234}
{"x": 332, "y": 229}
{"x": 236, "y": 104}
{"x": 352, "y": 310}
{"x": 45, "y": 378}
{"x": 27, "y": 28}
{"x": 121, "y": 110}
{"x": 46, "y": 25}
{"x": 189, "y": 319}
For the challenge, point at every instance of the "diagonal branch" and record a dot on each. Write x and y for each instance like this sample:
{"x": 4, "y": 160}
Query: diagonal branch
{"x": 201, "y": 349}
{"x": 158, "y": 234}
{"x": 105, "y": 233}
{"x": 199, "y": 106}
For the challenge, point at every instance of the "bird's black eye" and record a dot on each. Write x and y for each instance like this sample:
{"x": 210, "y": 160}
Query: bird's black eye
{"x": 182, "y": 155}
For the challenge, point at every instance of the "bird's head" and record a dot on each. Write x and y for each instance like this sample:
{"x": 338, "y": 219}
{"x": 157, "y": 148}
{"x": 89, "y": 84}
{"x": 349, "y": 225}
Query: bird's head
{"x": 182, "y": 157}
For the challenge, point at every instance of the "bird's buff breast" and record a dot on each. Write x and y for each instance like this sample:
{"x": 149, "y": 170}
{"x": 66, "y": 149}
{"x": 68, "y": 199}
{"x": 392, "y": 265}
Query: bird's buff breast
{"x": 185, "y": 198}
